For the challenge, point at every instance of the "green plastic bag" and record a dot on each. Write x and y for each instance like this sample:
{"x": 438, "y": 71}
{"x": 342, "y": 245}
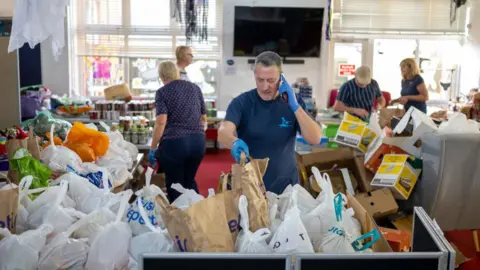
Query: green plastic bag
{"x": 23, "y": 161}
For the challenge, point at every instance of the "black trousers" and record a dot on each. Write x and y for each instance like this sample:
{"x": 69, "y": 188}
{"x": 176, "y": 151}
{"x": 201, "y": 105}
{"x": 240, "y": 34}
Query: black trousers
{"x": 180, "y": 159}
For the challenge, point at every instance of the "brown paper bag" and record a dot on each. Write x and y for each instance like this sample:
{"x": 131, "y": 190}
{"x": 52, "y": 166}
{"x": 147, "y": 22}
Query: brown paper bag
{"x": 200, "y": 228}
{"x": 248, "y": 177}
{"x": 8, "y": 207}
{"x": 231, "y": 205}
{"x": 31, "y": 144}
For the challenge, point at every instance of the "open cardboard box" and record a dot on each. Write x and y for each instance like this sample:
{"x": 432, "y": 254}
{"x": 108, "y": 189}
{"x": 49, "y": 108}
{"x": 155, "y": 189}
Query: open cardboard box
{"x": 341, "y": 158}
{"x": 421, "y": 124}
{"x": 381, "y": 147}
{"x": 355, "y": 133}
{"x": 368, "y": 224}
{"x": 378, "y": 203}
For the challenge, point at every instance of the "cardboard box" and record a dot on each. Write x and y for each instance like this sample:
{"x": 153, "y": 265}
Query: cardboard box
{"x": 399, "y": 241}
{"x": 402, "y": 222}
{"x": 421, "y": 124}
{"x": 395, "y": 173}
{"x": 342, "y": 179}
{"x": 158, "y": 179}
{"x": 380, "y": 148}
{"x": 378, "y": 203}
{"x": 341, "y": 158}
{"x": 355, "y": 133}
{"x": 368, "y": 224}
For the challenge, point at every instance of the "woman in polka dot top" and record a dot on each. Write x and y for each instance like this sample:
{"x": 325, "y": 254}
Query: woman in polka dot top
{"x": 179, "y": 133}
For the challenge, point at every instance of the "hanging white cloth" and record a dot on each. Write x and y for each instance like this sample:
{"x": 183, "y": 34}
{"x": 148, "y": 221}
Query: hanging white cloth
{"x": 34, "y": 21}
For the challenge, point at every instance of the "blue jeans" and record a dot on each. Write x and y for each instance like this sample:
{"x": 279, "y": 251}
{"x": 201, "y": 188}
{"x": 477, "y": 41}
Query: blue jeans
{"x": 180, "y": 159}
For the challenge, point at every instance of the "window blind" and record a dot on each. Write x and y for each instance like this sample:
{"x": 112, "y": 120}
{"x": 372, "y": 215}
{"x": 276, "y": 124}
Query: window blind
{"x": 139, "y": 28}
{"x": 377, "y": 16}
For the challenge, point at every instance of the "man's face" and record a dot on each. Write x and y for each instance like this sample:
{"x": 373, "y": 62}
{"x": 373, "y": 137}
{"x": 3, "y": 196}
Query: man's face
{"x": 188, "y": 56}
{"x": 360, "y": 84}
{"x": 267, "y": 80}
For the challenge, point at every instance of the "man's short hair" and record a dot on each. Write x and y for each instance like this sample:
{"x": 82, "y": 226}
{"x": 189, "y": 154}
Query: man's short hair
{"x": 363, "y": 75}
{"x": 268, "y": 59}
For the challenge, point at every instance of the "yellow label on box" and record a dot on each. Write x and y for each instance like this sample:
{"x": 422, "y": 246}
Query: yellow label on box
{"x": 367, "y": 138}
{"x": 349, "y": 117}
{"x": 392, "y": 169}
{"x": 406, "y": 182}
{"x": 352, "y": 128}
{"x": 395, "y": 159}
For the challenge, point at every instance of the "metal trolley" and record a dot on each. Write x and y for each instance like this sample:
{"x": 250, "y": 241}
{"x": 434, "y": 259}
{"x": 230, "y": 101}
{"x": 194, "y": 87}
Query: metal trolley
{"x": 430, "y": 251}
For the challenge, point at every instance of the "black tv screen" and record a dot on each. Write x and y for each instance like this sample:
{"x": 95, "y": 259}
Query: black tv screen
{"x": 294, "y": 32}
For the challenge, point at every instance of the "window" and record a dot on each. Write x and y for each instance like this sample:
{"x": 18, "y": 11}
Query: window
{"x": 438, "y": 61}
{"x": 132, "y": 37}
{"x": 346, "y": 53}
{"x": 387, "y": 55}
{"x": 374, "y": 16}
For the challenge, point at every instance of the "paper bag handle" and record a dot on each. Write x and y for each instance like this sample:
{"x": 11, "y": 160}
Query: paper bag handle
{"x": 6, "y": 177}
{"x": 224, "y": 182}
{"x": 31, "y": 134}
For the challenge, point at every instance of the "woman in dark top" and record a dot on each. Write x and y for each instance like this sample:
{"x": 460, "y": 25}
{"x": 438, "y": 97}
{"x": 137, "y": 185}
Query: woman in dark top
{"x": 179, "y": 127}
{"x": 414, "y": 92}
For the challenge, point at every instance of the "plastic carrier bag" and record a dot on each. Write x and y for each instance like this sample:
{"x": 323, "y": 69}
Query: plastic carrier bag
{"x": 84, "y": 137}
{"x": 188, "y": 197}
{"x": 305, "y": 201}
{"x": 26, "y": 164}
{"x": 58, "y": 158}
{"x": 157, "y": 240}
{"x": 64, "y": 252}
{"x": 21, "y": 251}
{"x": 109, "y": 247}
{"x": 52, "y": 213}
{"x": 98, "y": 176}
{"x": 247, "y": 241}
{"x": 22, "y": 213}
{"x": 291, "y": 236}
{"x": 147, "y": 196}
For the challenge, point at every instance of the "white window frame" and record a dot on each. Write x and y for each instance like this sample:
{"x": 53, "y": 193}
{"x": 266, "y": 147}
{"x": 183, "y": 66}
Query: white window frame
{"x": 77, "y": 80}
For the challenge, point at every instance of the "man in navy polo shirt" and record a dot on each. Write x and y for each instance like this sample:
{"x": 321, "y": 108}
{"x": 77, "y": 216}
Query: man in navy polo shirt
{"x": 262, "y": 124}
{"x": 357, "y": 95}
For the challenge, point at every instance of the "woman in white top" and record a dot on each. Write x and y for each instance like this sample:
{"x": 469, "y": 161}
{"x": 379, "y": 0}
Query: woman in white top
{"x": 184, "y": 57}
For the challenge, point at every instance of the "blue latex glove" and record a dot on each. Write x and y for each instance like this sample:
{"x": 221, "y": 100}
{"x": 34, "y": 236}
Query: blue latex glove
{"x": 151, "y": 158}
{"x": 238, "y": 147}
{"x": 285, "y": 88}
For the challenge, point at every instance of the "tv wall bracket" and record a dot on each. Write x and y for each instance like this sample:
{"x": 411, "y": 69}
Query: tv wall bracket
{"x": 285, "y": 61}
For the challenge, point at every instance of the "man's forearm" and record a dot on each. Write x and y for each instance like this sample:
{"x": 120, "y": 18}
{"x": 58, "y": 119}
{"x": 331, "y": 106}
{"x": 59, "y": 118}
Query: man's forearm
{"x": 157, "y": 135}
{"x": 311, "y": 130}
{"x": 340, "y": 107}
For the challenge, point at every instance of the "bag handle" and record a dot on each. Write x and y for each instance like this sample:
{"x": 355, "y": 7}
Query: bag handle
{"x": 148, "y": 176}
{"x": 52, "y": 128}
{"x": 144, "y": 215}
{"x": 123, "y": 204}
{"x": 224, "y": 181}
{"x": 211, "y": 192}
{"x": 82, "y": 222}
{"x": 179, "y": 188}
{"x": 357, "y": 246}
{"x": 61, "y": 194}
{"x": 6, "y": 177}
{"x": 338, "y": 204}
{"x": 24, "y": 185}
{"x": 31, "y": 134}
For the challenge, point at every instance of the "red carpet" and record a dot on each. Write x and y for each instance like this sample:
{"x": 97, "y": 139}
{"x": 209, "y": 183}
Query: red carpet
{"x": 213, "y": 164}
{"x": 464, "y": 242}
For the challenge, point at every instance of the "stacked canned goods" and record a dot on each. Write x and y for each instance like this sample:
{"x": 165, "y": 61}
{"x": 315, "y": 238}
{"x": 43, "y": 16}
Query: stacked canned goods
{"x": 108, "y": 110}
{"x": 145, "y": 108}
{"x": 134, "y": 129}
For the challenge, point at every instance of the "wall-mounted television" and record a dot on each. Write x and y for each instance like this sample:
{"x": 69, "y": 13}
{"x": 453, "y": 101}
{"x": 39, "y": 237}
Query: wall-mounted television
{"x": 291, "y": 32}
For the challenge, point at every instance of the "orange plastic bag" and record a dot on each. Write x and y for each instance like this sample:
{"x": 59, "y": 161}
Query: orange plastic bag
{"x": 82, "y": 135}
{"x": 83, "y": 150}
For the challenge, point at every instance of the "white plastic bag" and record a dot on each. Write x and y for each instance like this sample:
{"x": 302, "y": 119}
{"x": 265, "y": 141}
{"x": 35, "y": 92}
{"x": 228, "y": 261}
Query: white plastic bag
{"x": 58, "y": 158}
{"x": 22, "y": 213}
{"x": 458, "y": 123}
{"x": 96, "y": 221}
{"x": 188, "y": 197}
{"x": 21, "y": 251}
{"x": 87, "y": 197}
{"x": 291, "y": 236}
{"x": 109, "y": 248}
{"x": 305, "y": 201}
{"x": 63, "y": 252}
{"x": 154, "y": 241}
{"x": 52, "y": 213}
{"x": 247, "y": 241}
{"x": 98, "y": 176}
{"x": 118, "y": 169}
{"x": 147, "y": 195}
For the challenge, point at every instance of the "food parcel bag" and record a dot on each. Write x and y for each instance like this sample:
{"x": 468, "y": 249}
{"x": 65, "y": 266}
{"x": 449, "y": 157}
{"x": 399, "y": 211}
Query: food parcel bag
{"x": 291, "y": 236}
{"x": 201, "y": 227}
{"x": 86, "y": 142}
{"x": 248, "y": 177}
{"x": 8, "y": 205}
{"x": 25, "y": 165}
{"x": 247, "y": 241}
{"x": 58, "y": 158}
{"x": 231, "y": 198}
{"x": 30, "y": 144}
